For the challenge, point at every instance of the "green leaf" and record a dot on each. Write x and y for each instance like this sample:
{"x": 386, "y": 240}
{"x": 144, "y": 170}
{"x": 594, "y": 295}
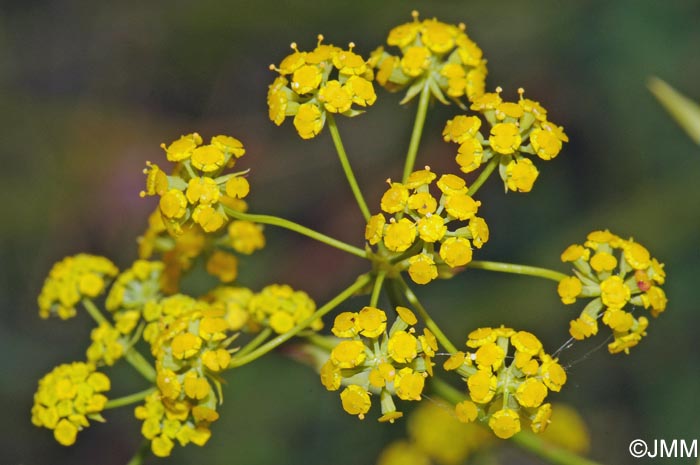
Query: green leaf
{"x": 682, "y": 109}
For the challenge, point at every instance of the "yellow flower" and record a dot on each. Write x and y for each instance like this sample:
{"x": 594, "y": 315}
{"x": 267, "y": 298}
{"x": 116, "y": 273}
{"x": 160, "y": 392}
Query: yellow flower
{"x": 72, "y": 279}
{"x": 531, "y": 393}
{"x": 223, "y": 265}
{"x": 355, "y": 400}
{"x": 461, "y": 128}
{"x": 422, "y": 269}
{"x": 545, "y": 143}
{"x": 583, "y": 327}
{"x": 361, "y": 90}
{"x": 482, "y": 386}
{"x": 335, "y": 97}
{"x": 182, "y": 148}
{"x": 461, "y": 206}
{"x": 399, "y": 235}
{"x": 208, "y": 158}
{"x": 67, "y": 397}
{"x": 469, "y": 155}
{"x": 403, "y": 346}
{"x": 280, "y": 307}
{"x": 614, "y": 292}
{"x": 308, "y": 121}
{"x": 371, "y": 321}
{"x": 521, "y": 175}
{"x": 306, "y": 78}
{"x": 202, "y": 190}
{"x": 456, "y": 251}
{"x": 348, "y": 354}
{"x": 415, "y": 60}
{"x": 409, "y": 384}
{"x": 246, "y": 237}
{"x": 490, "y": 356}
{"x": 569, "y": 288}
{"x": 375, "y": 228}
{"x": 505, "y": 138}
{"x": 466, "y": 411}
{"x": 431, "y": 228}
{"x": 173, "y": 204}
{"x": 603, "y": 261}
{"x": 395, "y": 198}
{"x": 505, "y": 423}
{"x": 237, "y": 187}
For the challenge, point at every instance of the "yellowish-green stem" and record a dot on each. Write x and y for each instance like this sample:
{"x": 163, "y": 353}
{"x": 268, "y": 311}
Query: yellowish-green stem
{"x": 429, "y": 322}
{"x": 132, "y": 356}
{"x": 361, "y": 282}
{"x": 94, "y": 312}
{"x": 417, "y": 132}
{"x": 525, "y": 439}
{"x": 130, "y": 399}
{"x": 378, "y": 281}
{"x": 255, "y": 342}
{"x": 347, "y": 169}
{"x": 140, "y": 364}
{"x": 484, "y": 175}
{"x": 303, "y": 230}
{"x": 517, "y": 269}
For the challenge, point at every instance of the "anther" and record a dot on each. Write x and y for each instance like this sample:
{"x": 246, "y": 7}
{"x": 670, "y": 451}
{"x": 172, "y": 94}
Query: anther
{"x": 499, "y": 89}
{"x": 462, "y": 27}
{"x": 351, "y": 45}
{"x": 415, "y": 14}
{"x": 293, "y": 46}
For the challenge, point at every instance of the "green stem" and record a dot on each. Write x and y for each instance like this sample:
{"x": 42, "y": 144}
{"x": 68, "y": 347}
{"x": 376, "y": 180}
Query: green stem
{"x": 362, "y": 281}
{"x": 517, "y": 269}
{"x": 525, "y": 439}
{"x": 429, "y": 323}
{"x": 417, "y": 131}
{"x": 338, "y": 142}
{"x": 130, "y": 399}
{"x": 254, "y": 343}
{"x": 377, "y": 288}
{"x": 132, "y": 355}
{"x": 94, "y": 312}
{"x": 322, "y": 342}
{"x": 484, "y": 175}
{"x": 140, "y": 364}
{"x": 141, "y": 454}
{"x": 304, "y": 231}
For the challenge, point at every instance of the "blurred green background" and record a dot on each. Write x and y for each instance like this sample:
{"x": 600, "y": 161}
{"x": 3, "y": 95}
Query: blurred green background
{"x": 90, "y": 89}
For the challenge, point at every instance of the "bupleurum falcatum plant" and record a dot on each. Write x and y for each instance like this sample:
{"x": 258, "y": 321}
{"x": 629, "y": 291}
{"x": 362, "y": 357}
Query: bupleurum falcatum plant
{"x": 389, "y": 353}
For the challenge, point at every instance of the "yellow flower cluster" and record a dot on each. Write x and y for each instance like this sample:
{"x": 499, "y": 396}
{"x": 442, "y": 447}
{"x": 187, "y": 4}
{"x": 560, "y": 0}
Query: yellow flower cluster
{"x": 420, "y": 224}
{"x": 108, "y": 345}
{"x": 371, "y": 359}
{"x": 615, "y": 272}
{"x": 196, "y": 192}
{"x": 435, "y": 436}
{"x": 190, "y": 352}
{"x": 67, "y": 397}
{"x": 71, "y": 280}
{"x": 135, "y": 286}
{"x": 235, "y": 301}
{"x": 504, "y": 395}
{"x": 280, "y": 307}
{"x": 434, "y": 54}
{"x": 178, "y": 253}
{"x": 517, "y": 129}
{"x": 308, "y": 87}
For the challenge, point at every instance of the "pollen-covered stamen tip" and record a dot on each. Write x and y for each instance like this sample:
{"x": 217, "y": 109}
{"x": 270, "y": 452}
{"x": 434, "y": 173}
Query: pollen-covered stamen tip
{"x": 320, "y": 38}
{"x": 415, "y": 14}
{"x": 293, "y": 46}
{"x": 499, "y": 89}
{"x": 351, "y": 45}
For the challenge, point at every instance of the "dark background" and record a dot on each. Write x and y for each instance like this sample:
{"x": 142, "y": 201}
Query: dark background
{"x": 90, "y": 89}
